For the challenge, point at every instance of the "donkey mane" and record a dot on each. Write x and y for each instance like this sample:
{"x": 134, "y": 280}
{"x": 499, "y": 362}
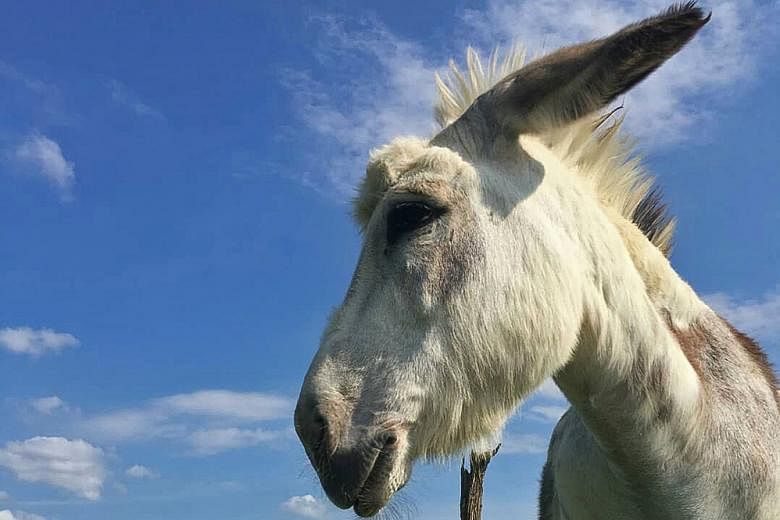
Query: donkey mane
{"x": 594, "y": 147}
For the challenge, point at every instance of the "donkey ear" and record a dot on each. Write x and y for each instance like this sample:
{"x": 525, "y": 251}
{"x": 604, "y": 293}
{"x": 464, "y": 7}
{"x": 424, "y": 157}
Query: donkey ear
{"x": 575, "y": 81}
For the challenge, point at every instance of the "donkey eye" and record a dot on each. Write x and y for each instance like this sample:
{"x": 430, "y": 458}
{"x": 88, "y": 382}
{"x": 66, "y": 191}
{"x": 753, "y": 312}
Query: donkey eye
{"x": 405, "y": 217}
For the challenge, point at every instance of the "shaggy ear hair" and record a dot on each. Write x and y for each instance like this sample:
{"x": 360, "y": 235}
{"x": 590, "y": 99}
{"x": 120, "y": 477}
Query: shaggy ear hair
{"x": 574, "y": 81}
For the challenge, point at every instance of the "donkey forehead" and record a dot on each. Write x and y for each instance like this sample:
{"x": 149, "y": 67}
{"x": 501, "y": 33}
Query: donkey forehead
{"x": 411, "y": 165}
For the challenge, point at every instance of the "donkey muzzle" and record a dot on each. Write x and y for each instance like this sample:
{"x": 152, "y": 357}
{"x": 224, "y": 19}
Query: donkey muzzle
{"x": 353, "y": 469}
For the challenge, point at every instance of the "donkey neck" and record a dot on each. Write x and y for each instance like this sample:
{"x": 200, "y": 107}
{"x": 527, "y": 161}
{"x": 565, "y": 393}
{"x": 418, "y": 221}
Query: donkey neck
{"x": 628, "y": 375}
{"x": 675, "y": 424}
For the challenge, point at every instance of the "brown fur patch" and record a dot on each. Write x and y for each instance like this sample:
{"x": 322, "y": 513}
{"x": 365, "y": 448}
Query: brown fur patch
{"x": 758, "y": 356}
{"x": 692, "y": 342}
{"x": 707, "y": 354}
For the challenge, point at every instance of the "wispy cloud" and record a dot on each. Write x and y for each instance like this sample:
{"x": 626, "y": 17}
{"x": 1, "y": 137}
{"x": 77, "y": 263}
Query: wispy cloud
{"x": 140, "y": 472}
{"x": 242, "y": 406}
{"x": 380, "y": 85}
{"x": 9, "y": 72}
{"x": 306, "y": 506}
{"x": 217, "y": 440}
{"x": 522, "y": 443}
{"x": 48, "y": 405}
{"x": 7, "y": 514}
{"x": 159, "y": 417}
{"x": 208, "y": 421}
{"x": 74, "y": 465}
{"x": 131, "y": 424}
{"x": 546, "y": 413}
{"x": 122, "y": 96}
{"x": 40, "y": 156}
{"x": 4, "y": 495}
{"x": 24, "y": 340}
{"x": 759, "y": 317}
{"x": 36, "y": 98}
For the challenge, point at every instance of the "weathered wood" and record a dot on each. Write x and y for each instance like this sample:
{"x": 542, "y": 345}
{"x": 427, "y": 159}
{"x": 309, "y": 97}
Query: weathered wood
{"x": 472, "y": 482}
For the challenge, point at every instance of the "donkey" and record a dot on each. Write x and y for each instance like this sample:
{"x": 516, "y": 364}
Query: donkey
{"x": 524, "y": 241}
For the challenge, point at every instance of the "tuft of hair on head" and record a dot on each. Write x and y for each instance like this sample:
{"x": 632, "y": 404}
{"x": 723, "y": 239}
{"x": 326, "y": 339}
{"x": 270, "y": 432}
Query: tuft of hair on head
{"x": 460, "y": 88}
{"x": 384, "y": 167}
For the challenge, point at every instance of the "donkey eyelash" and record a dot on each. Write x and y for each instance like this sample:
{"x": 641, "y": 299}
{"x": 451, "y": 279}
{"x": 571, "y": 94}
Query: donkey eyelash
{"x": 408, "y": 216}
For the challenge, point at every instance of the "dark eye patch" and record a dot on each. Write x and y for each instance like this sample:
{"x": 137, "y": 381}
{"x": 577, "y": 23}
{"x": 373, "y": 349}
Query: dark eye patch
{"x": 409, "y": 216}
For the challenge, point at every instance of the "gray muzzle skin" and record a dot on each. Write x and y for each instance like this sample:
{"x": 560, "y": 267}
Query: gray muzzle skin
{"x": 350, "y": 475}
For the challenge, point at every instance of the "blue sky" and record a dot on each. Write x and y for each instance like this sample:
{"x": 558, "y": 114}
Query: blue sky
{"x": 173, "y": 191}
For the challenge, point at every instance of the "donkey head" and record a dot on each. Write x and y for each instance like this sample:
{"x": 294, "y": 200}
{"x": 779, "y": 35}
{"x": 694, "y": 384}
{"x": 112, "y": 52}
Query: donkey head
{"x": 469, "y": 290}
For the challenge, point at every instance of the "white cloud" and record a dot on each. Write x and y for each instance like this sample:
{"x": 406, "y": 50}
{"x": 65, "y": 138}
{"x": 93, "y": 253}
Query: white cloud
{"x": 158, "y": 417}
{"x": 140, "y": 472}
{"x": 43, "y": 99}
{"x": 123, "y": 96}
{"x": 74, "y": 465}
{"x": 243, "y": 406}
{"x": 381, "y": 85}
{"x": 523, "y": 443}
{"x": 546, "y": 413}
{"x": 7, "y": 71}
{"x": 24, "y": 340}
{"x": 384, "y": 89}
{"x": 217, "y": 440}
{"x": 206, "y": 420}
{"x": 132, "y": 424}
{"x": 41, "y": 156}
{"x": 306, "y": 506}
{"x": 48, "y": 405}
{"x": 759, "y": 317}
{"x": 19, "y": 515}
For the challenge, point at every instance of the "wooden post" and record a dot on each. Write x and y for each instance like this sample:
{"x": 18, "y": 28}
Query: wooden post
{"x": 471, "y": 483}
